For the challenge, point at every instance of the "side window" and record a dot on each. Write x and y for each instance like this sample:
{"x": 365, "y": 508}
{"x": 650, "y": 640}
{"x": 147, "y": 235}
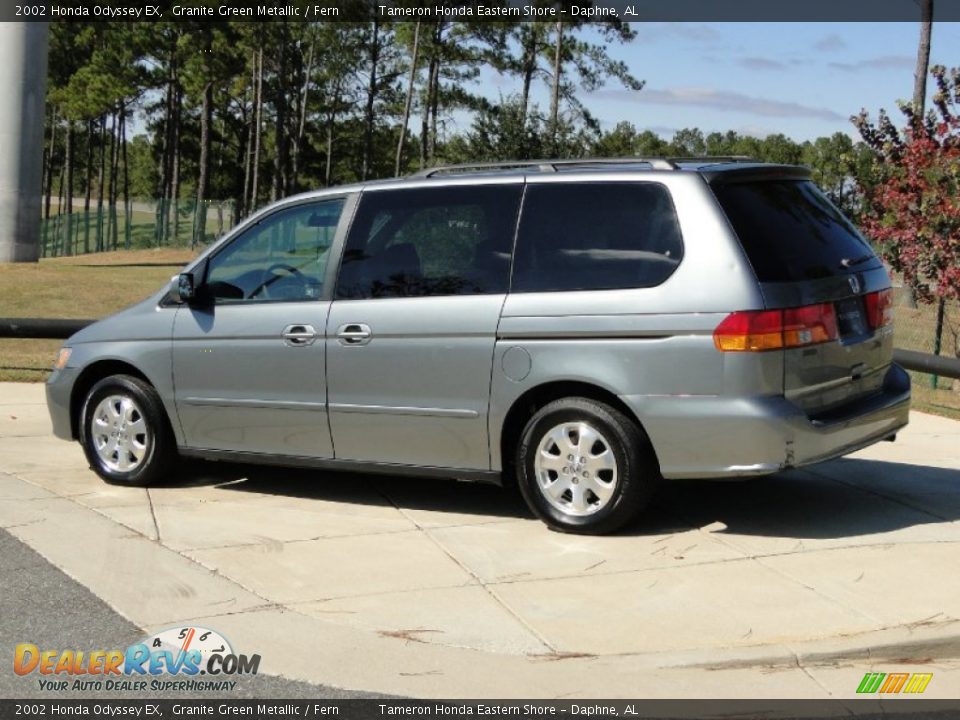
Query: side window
{"x": 430, "y": 241}
{"x": 596, "y": 236}
{"x": 283, "y": 257}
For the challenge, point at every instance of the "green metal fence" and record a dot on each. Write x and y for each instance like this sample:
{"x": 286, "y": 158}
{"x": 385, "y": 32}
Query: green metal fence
{"x": 136, "y": 225}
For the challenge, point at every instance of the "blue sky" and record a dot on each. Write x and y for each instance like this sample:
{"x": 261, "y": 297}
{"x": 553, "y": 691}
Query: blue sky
{"x": 801, "y": 79}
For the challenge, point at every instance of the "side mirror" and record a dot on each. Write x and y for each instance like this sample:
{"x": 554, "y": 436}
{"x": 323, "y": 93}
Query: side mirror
{"x": 183, "y": 288}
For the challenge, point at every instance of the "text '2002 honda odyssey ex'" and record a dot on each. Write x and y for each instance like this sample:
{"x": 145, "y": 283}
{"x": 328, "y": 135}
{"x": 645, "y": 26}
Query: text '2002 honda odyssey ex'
{"x": 583, "y": 327}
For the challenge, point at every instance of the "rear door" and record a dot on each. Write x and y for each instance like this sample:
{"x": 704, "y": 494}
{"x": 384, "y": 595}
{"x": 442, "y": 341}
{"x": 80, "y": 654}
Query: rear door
{"x": 805, "y": 252}
{"x": 411, "y": 332}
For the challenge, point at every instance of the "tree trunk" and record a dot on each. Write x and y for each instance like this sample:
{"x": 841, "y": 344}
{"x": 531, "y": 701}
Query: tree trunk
{"x": 175, "y": 178}
{"x": 302, "y": 122}
{"x": 555, "y": 89}
{"x": 408, "y": 103}
{"x": 434, "y": 112}
{"x": 127, "y": 208}
{"x": 68, "y": 191}
{"x": 57, "y": 236}
{"x": 529, "y": 68}
{"x": 923, "y": 58}
{"x": 47, "y": 182}
{"x": 109, "y": 243}
{"x": 428, "y": 102}
{"x": 50, "y": 154}
{"x": 371, "y": 99}
{"x": 166, "y": 158}
{"x": 258, "y": 109}
{"x": 328, "y": 169}
{"x": 114, "y": 180}
{"x": 101, "y": 180}
{"x": 248, "y": 149}
{"x": 278, "y": 187}
{"x": 88, "y": 170}
{"x": 203, "y": 182}
{"x": 920, "y": 95}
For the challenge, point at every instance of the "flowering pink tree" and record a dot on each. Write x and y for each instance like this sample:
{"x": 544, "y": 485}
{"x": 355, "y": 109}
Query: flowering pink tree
{"x": 912, "y": 207}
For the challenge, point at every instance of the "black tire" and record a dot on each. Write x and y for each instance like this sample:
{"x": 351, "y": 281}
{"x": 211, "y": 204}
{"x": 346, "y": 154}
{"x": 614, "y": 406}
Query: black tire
{"x": 633, "y": 479}
{"x": 150, "y": 456}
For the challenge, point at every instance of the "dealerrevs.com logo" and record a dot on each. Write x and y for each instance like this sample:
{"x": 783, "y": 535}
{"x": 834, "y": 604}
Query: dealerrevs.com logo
{"x": 184, "y": 658}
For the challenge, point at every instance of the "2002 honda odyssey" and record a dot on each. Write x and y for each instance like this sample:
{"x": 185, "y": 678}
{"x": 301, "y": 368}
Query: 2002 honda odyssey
{"x": 585, "y": 327}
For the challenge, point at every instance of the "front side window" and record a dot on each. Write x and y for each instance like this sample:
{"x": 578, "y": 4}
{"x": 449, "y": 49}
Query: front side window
{"x": 429, "y": 242}
{"x": 283, "y": 257}
{"x": 596, "y": 236}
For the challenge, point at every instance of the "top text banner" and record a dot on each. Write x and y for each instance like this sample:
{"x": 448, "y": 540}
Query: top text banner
{"x": 571, "y": 11}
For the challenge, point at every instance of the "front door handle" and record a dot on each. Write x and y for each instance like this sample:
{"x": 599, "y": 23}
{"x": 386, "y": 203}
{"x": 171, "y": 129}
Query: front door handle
{"x": 299, "y": 335}
{"x": 354, "y": 334}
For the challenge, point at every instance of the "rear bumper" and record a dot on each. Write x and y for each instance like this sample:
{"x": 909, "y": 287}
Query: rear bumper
{"x": 727, "y": 437}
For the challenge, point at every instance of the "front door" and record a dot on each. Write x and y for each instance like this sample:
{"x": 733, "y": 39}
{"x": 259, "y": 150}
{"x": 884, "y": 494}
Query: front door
{"x": 248, "y": 364}
{"x": 411, "y": 332}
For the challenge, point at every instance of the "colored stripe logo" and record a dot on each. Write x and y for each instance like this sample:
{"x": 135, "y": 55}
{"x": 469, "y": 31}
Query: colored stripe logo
{"x": 891, "y": 683}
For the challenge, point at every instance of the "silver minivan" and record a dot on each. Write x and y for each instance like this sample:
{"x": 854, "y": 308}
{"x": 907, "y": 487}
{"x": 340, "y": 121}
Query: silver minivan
{"x": 583, "y": 329}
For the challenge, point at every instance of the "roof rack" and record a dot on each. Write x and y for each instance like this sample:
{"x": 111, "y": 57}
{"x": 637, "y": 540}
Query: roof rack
{"x": 655, "y": 163}
{"x": 713, "y": 159}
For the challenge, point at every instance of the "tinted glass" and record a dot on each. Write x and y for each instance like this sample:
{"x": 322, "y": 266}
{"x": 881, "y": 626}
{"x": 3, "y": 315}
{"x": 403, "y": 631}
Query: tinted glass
{"x": 596, "y": 236}
{"x": 791, "y": 231}
{"x": 283, "y": 257}
{"x": 425, "y": 242}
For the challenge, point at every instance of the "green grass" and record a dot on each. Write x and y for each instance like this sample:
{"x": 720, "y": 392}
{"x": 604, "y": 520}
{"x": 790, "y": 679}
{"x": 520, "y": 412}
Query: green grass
{"x": 85, "y": 286}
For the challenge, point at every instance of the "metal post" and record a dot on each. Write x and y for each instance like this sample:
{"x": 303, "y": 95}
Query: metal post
{"x": 23, "y": 82}
{"x": 937, "y": 339}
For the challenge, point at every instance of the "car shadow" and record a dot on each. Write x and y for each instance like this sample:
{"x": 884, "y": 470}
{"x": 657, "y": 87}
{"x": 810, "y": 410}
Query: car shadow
{"x": 841, "y": 498}
{"x": 404, "y": 493}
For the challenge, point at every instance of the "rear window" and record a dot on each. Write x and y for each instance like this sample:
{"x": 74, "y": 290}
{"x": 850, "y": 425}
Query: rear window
{"x": 791, "y": 231}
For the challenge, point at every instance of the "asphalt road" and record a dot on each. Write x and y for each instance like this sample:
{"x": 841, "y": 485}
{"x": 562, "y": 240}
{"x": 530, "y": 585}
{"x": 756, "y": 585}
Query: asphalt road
{"x": 40, "y": 604}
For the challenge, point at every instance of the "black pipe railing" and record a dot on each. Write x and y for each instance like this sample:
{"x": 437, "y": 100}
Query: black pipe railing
{"x": 58, "y": 329}
{"x": 41, "y": 328}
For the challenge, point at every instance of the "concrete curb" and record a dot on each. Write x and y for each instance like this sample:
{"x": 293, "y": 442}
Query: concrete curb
{"x": 911, "y": 645}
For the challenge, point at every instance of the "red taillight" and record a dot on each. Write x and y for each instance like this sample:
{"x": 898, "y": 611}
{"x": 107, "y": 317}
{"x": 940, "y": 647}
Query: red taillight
{"x": 759, "y": 330}
{"x": 879, "y": 308}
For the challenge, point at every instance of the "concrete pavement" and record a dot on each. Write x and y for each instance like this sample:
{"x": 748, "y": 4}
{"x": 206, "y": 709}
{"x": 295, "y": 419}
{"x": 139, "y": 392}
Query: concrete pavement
{"x": 43, "y": 606}
{"x": 790, "y": 586}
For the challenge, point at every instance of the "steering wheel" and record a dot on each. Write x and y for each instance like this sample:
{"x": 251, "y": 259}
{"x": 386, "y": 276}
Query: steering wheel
{"x": 273, "y": 276}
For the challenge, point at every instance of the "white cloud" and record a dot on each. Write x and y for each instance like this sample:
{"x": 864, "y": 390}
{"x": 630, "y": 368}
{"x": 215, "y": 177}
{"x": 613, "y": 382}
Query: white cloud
{"x": 723, "y": 100}
{"x": 830, "y": 43}
{"x": 686, "y": 31}
{"x": 760, "y": 63}
{"x": 884, "y": 62}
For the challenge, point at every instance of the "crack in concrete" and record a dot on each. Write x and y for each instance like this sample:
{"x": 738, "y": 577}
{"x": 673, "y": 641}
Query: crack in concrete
{"x": 153, "y": 516}
{"x": 469, "y": 571}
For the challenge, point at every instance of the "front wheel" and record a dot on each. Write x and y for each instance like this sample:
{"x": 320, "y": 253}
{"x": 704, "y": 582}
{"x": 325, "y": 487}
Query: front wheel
{"x": 584, "y": 467}
{"x": 124, "y": 432}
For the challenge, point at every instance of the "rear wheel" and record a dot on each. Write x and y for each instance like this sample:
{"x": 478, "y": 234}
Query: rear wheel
{"x": 585, "y": 467}
{"x": 124, "y": 432}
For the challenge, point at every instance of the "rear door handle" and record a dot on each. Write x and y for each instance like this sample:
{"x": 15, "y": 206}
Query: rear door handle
{"x": 354, "y": 334}
{"x": 299, "y": 335}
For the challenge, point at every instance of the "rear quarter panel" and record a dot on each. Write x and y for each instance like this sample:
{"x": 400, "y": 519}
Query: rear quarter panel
{"x": 644, "y": 343}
